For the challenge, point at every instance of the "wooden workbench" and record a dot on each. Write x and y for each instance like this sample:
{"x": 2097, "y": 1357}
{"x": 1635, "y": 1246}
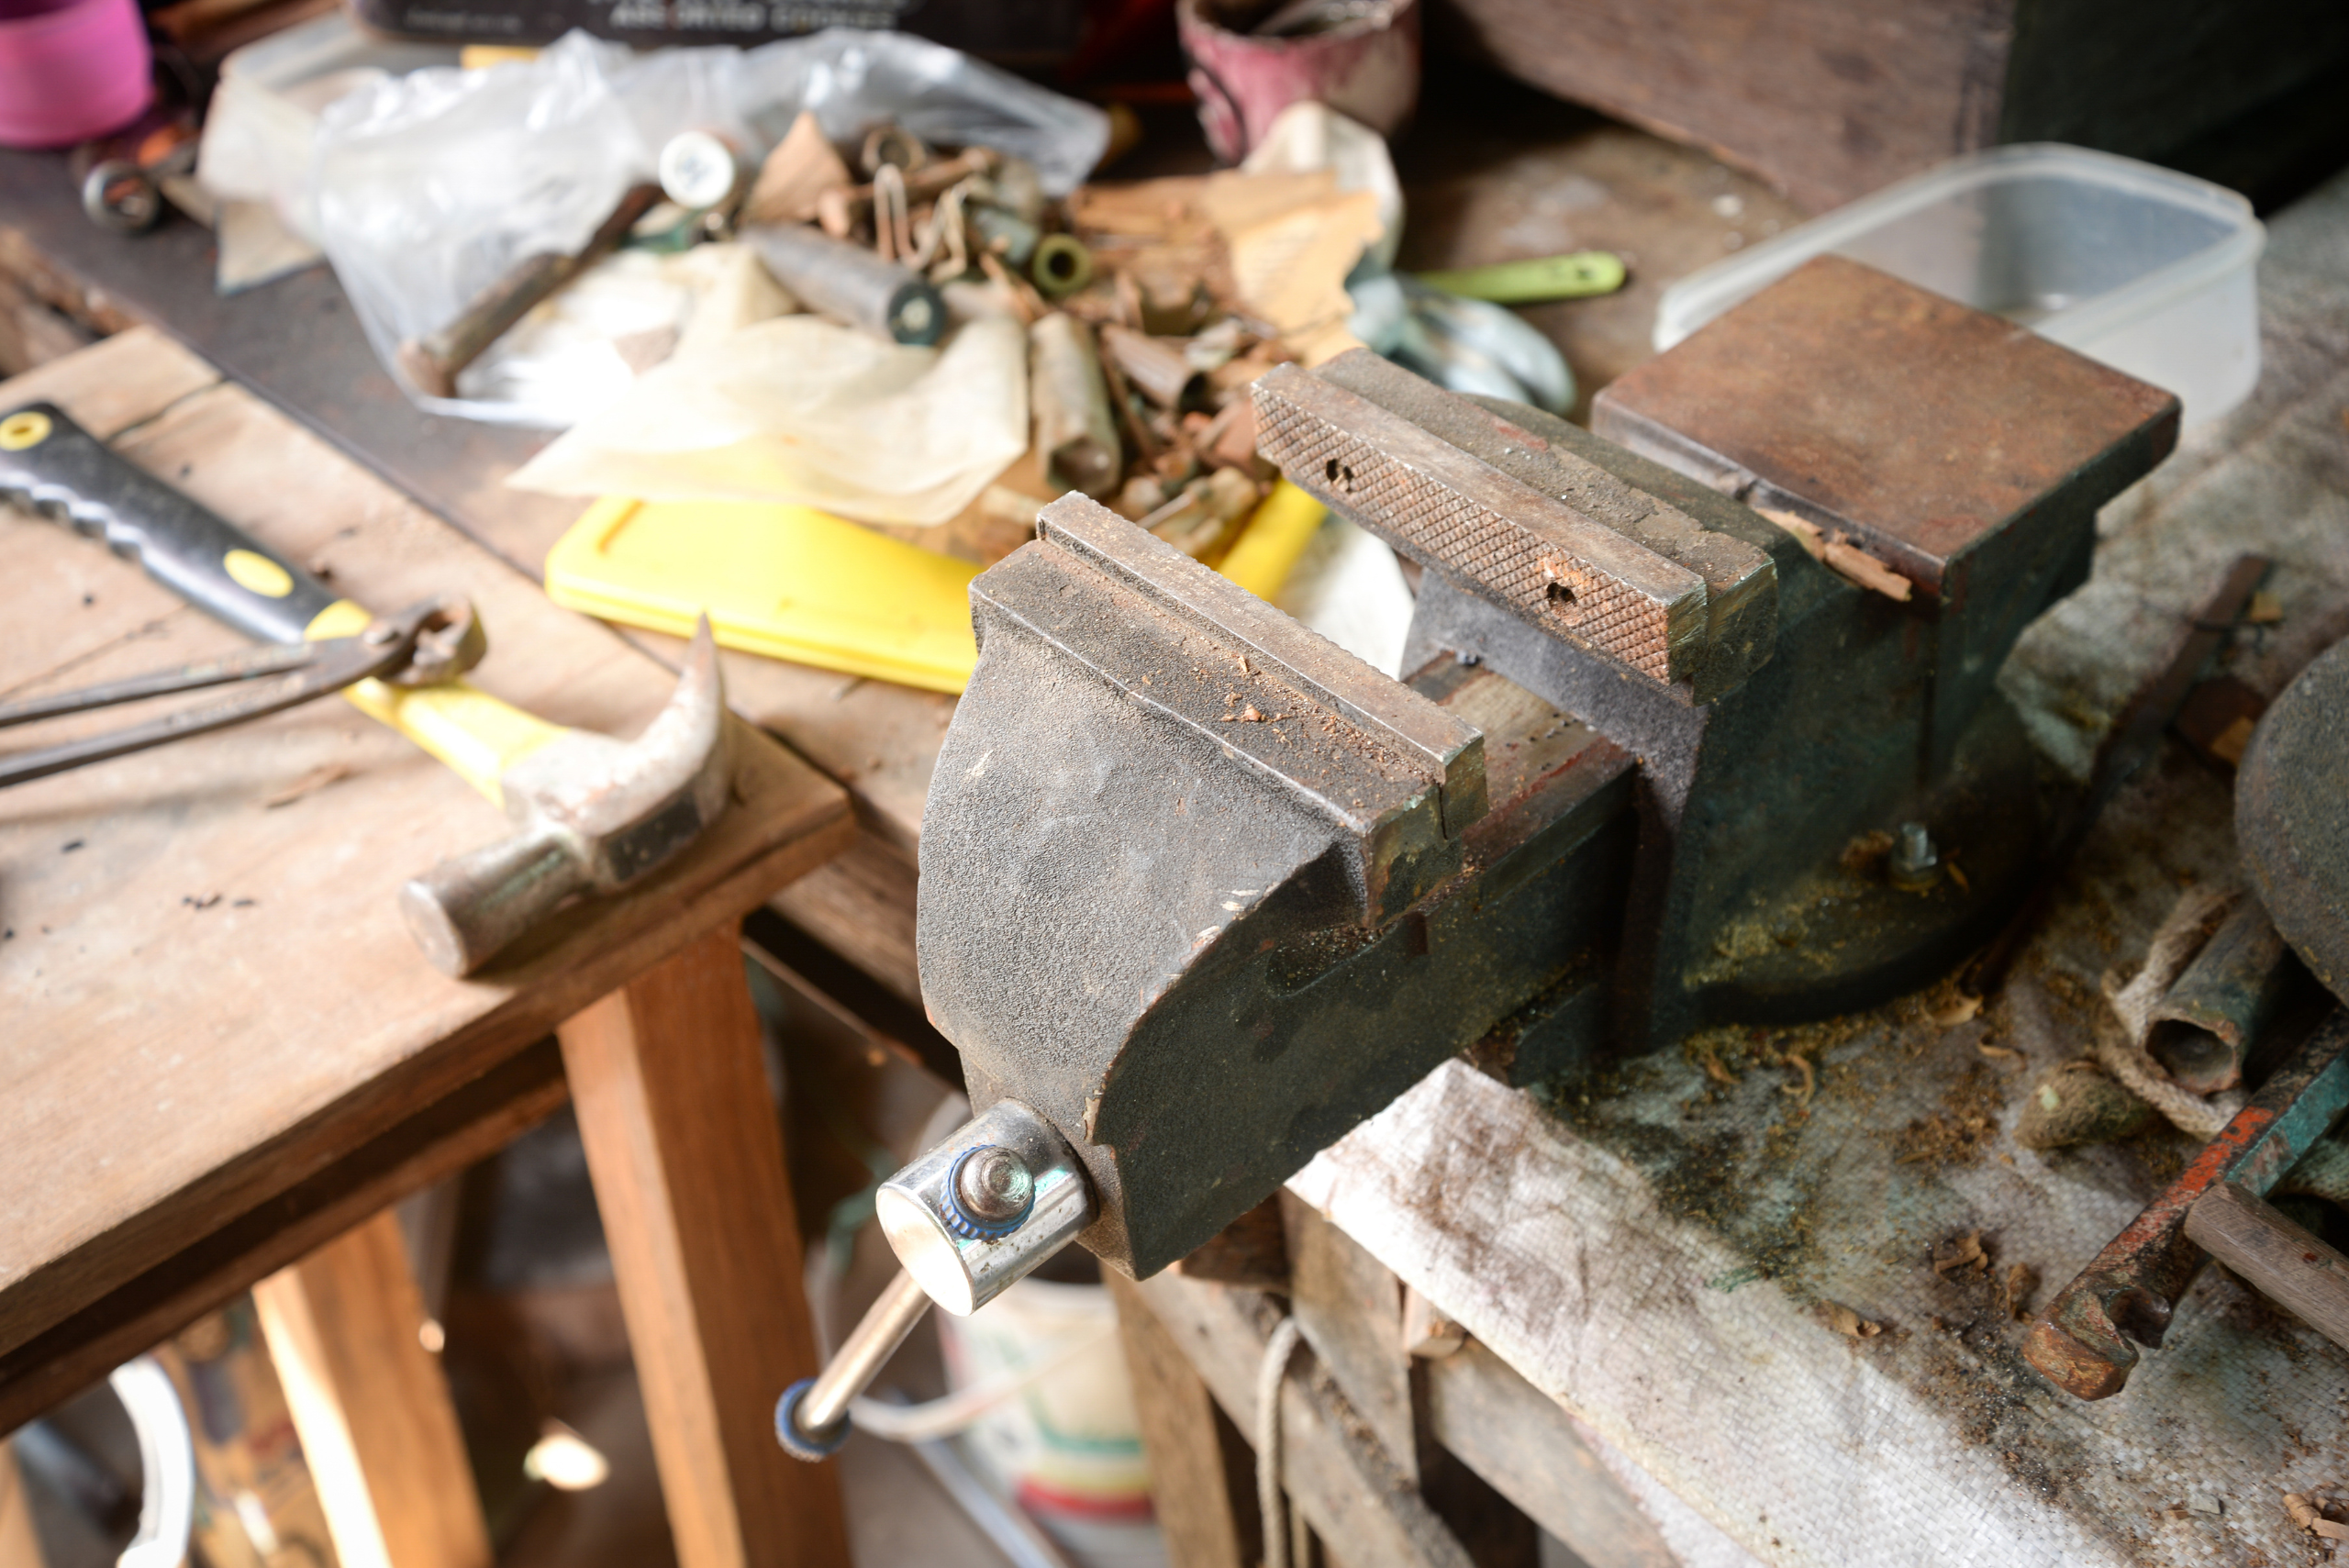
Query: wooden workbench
{"x": 1560, "y": 1420}
{"x": 222, "y": 1050}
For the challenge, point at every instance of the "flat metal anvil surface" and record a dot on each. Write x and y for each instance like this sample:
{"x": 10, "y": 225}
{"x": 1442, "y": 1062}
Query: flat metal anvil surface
{"x": 1206, "y": 891}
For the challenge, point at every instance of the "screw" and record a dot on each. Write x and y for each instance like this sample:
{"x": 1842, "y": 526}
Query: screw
{"x": 1915, "y": 864}
{"x": 995, "y": 1185}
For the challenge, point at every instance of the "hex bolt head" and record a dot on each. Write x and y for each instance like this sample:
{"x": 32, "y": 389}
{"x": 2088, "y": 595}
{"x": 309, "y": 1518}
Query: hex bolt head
{"x": 995, "y": 1185}
{"x": 1915, "y": 865}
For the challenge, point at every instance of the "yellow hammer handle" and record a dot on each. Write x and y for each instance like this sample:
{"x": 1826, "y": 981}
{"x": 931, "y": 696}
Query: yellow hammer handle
{"x": 472, "y": 732}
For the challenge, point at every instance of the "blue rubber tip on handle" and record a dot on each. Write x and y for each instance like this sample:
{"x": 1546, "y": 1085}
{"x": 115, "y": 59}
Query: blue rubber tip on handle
{"x": 796, "y": 1440}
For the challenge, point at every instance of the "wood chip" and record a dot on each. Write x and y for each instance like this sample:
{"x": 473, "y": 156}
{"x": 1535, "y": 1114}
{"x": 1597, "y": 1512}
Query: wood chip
{"x": 1960, "y": 1008}
{"x": 2303, "y": 1512}
{"x": 2000, "y": 1052}
{"x": 1850, "y": 1324}
{"x": 2015, "y": 1288}
{"x": 1957, "y": 875}
{"x": 317, "y": 778}
{"x": 1810, "y": 1079}
{"x": 2265, "y": 609}
{"x": 802, "y": 167}
{"x": 1842, "y": 557}
{"x": 2329, "y": 1530}
{"x": 2229, "y": 743}
{"x": 1964, "y": 1252}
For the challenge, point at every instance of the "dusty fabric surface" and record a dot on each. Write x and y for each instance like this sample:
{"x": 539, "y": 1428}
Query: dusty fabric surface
{"x": 1798, "y": 1308}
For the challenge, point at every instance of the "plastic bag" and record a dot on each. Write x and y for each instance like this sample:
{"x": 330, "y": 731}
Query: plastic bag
{"x": 432, "y": 187}
{"x": 799, "y": 409}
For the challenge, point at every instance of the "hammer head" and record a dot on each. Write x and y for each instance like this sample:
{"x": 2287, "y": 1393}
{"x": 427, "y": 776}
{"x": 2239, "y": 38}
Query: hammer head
{"x": 590, "y": 814}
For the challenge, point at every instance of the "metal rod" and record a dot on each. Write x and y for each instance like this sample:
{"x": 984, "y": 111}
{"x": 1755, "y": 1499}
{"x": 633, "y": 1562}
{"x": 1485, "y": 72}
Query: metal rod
{"x": 863, "y": 1353}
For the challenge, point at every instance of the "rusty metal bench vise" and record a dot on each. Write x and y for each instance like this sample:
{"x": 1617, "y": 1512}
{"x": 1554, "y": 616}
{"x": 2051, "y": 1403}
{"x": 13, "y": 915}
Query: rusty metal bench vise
{"x": 1201, "y": 891}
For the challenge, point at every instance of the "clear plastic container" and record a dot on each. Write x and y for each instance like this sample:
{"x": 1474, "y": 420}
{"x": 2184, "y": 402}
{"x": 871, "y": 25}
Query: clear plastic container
{"x": 2145, "y": 268}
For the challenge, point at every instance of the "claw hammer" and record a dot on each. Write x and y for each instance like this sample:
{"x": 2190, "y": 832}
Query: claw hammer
{"x": 590, "y": 814}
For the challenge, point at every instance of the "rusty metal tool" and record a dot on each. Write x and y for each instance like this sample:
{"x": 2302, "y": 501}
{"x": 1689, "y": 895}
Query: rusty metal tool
{"x": 2082, "y": 1343}
{"x": 435, "y": 640}
{"x": 592, "y": 814}
{"x": 1231, "y": 890}
{"x": 849, "y": 283}
{"x": 433, "y": 362}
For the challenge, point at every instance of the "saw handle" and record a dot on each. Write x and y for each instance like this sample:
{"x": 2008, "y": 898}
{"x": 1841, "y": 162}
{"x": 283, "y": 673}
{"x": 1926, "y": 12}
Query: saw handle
{"x": 53, "y": 466}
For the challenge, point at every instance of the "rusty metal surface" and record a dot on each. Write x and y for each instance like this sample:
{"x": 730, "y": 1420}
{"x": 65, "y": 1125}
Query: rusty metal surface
{"x": 1923, "y": 427}
{"x": 2082, "y": 1343}
{"x": 2241, "y": 981}
{"x": 2294, "y": 833}
{"x": 1548, "y": 562}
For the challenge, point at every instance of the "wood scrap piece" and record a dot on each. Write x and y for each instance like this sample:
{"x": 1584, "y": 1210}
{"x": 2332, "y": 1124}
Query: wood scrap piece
{"x": 2015, "y": 1288}
{"x": 1848, "y": 1323}
{"x": 1840, "y": 555}
{"x": 795, "y": 176}
{"x": 1961, "y": 1253}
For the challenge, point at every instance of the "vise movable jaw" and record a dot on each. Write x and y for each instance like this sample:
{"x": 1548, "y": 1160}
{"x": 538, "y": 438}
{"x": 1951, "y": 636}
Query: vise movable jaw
{"x": 1202, "y": 891}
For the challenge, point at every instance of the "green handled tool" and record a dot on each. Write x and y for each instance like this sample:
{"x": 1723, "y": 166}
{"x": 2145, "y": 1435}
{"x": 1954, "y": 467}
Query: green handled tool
{"x": 1576, "y": 276}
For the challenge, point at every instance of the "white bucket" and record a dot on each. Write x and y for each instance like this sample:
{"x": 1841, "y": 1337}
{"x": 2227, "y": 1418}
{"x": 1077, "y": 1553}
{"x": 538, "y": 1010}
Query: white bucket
{"x": 1068, "y": 1447}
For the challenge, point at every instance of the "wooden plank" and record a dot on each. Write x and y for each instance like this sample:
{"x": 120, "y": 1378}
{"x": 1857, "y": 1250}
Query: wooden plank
{"x": 1828, "y": 99}
{"x": 1517, "y": 1439}
{"x": 1339, "y": 1479}
{"x": 472, "y": 1123}
{"x": 1351, "y": 1307}
{"x": 378, "y": 1432}
{"x": 689, "y": 1166}
{"x": 19, "y": 1547}
{"x": 229, "y": 984}
{"x": 1206, "y": 1513}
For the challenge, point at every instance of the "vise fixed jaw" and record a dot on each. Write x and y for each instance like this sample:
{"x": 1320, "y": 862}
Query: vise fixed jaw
{"x": 1204, "y": 891}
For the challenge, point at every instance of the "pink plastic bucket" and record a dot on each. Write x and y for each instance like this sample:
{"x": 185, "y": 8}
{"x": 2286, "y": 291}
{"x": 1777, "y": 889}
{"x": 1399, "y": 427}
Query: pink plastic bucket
{"x": 71, "y": 71}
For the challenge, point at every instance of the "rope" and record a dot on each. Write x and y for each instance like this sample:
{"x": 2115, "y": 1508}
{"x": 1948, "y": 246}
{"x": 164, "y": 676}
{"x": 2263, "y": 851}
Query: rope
{"x": 2182, "y": 934}
{"x": 1270, "y": 1373}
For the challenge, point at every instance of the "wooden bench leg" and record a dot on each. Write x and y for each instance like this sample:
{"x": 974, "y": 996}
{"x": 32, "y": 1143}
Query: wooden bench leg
{"x": 19, "y": 1547}
{"x": 1206, "y": 1507}
{"x": 371, "y": 1405}
{"x": 687, "y": 1160}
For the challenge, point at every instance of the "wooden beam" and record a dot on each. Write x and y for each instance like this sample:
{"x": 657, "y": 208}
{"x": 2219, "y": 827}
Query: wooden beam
{"x": 474, "y": 1122}
{"x": 687, "y": 1158}
{"x": 378, "y": 1432}
{"x": 1207, "y": 1514}
{"x": 1353, "y": 1494}
{"x": 1518, "y": 1439}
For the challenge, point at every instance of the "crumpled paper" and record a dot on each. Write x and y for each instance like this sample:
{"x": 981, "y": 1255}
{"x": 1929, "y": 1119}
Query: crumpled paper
{"x": 799, "y": 409}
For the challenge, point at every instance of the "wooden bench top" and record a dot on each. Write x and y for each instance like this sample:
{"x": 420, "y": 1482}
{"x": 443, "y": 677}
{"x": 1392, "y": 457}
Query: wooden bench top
{"x": 218, "y": 1043}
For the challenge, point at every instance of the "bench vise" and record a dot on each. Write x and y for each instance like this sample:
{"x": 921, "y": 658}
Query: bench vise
{"x": 1201, "y": 891}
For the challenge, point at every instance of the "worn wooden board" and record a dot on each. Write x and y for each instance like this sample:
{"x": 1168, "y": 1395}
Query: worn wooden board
{"x": 212, "y": 1002}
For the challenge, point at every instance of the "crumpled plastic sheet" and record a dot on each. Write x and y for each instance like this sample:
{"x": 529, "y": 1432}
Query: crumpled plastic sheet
{"x": 799, "y": 409}
{"x": 431, "y": 186}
